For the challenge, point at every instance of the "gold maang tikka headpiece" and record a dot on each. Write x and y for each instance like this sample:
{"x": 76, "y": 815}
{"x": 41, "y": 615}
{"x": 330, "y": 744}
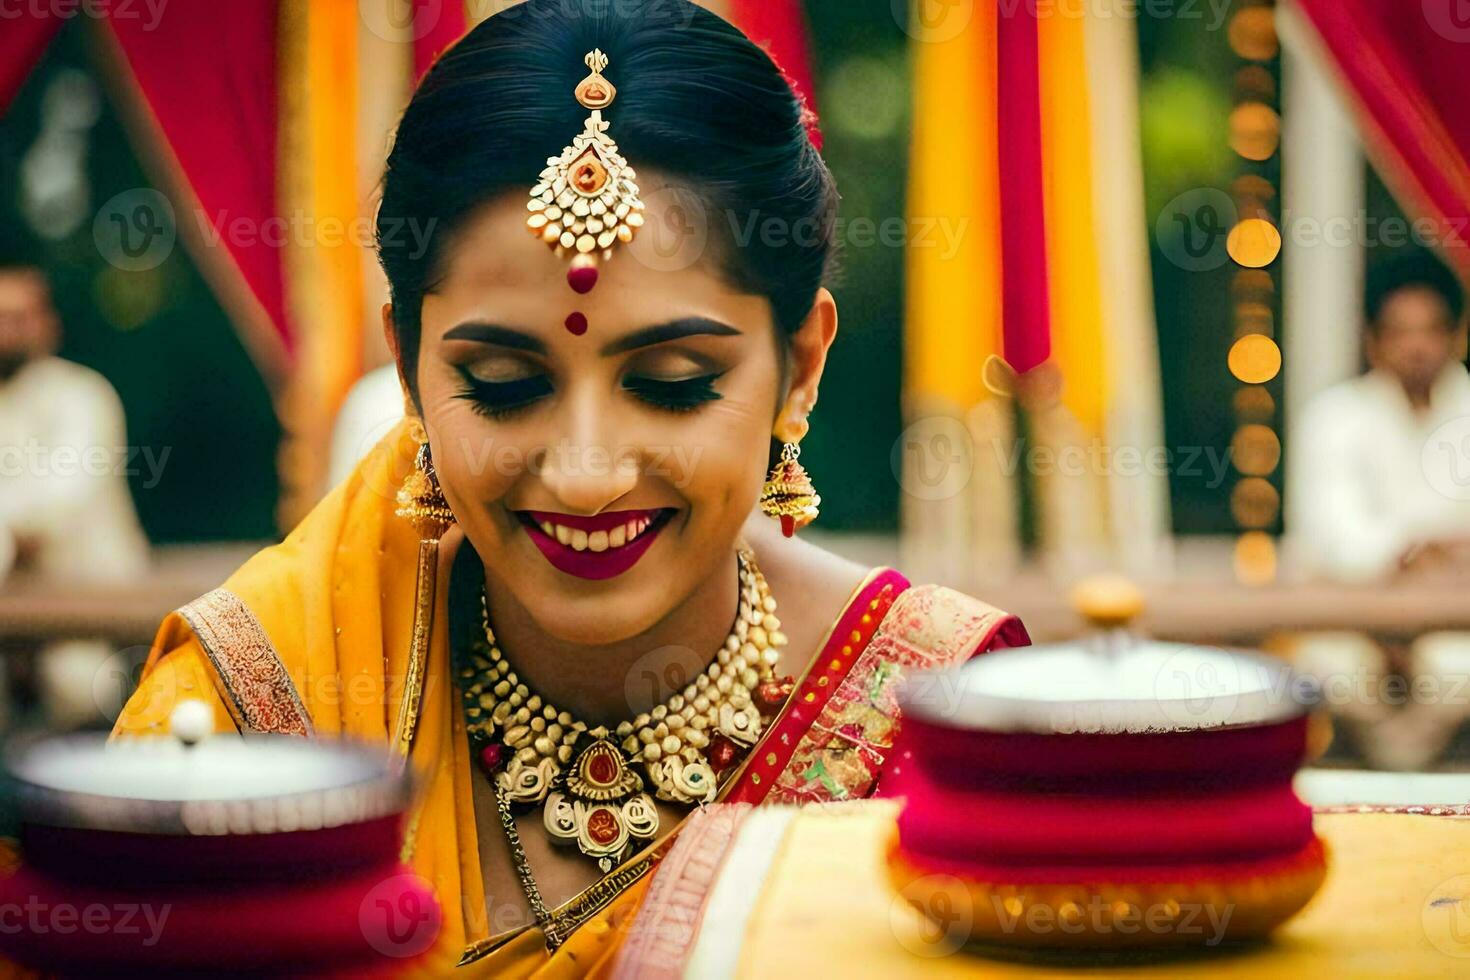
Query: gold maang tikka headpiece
{"x": 586, "y": 200}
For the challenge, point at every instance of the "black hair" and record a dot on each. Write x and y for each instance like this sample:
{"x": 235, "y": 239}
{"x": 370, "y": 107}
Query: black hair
{"x": 1415, "y": 270}
{"x": 696, "y": 101}
{"x": 18, "y": 250}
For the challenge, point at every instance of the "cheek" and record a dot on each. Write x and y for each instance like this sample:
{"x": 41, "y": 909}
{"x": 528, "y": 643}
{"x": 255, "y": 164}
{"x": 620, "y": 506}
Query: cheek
{"x": 474, "y": 464}
{"x": 717, "y": 457}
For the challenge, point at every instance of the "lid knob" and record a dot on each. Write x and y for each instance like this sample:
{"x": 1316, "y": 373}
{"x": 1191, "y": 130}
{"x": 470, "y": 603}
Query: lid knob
{"x": 191, "y": 721}
{"x": 1108, "y": 601}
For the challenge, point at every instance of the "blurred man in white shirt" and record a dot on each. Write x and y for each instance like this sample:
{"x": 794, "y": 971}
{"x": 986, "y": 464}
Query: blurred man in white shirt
{"x": 65, "y": 510}
{"x": 1380, "y": 489}
{"x": 1376, "y": 464}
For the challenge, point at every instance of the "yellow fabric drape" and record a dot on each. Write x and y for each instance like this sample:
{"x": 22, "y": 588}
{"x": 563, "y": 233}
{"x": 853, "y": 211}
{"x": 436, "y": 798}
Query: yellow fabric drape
{"x": 1078, "y": 349}
{"x": 953, "y": 299}
{"x": 328, "y": 233}
{"x": 336, "y": 599}
{"x": 959, "y": 508}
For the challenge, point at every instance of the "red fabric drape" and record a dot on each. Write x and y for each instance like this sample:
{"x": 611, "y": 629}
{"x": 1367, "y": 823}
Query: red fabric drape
{"x": 780, "y": 27}
{"x": 1026, "y": 302}
{"x": 207, "y": 112}
{"x": 1408, "y": 72}
{"x": 22, "y": 40}
{"x": 437, "y": 25}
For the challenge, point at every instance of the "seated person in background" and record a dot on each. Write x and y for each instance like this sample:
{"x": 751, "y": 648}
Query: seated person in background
{"x": 65, "y": 510}
{"x": 1380, "y": 489}
{"x": 1375, "y": 483}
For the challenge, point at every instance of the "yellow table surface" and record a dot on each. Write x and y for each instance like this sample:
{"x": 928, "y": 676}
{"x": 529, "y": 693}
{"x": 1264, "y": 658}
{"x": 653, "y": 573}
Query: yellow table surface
{"x": 1396, "y": 902}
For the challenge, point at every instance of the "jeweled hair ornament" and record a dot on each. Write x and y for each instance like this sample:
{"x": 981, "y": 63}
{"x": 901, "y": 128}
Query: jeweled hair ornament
{"x": 586, "y": 201}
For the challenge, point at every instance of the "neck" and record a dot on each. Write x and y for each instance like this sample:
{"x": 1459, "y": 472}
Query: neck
{"x": 1418, "y": 394}
{"x": 606, "y": 684}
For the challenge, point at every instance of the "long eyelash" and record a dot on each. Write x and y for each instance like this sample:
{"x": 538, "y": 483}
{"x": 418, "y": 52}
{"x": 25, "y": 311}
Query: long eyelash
{"x": 499, "y": 399}
{"x": 675, "y": 396}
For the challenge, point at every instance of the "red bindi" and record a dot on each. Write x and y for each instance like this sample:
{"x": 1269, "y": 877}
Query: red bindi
{"x": 577, "y": 324}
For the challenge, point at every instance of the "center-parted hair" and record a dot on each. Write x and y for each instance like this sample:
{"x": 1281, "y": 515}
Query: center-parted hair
{"x": 697, "y": 101}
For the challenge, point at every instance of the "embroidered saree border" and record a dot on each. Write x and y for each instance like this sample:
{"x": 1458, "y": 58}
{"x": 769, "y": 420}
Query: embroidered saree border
{"x": 249, "y": 674}
{"x": 844, "y": 747}
{"x": 845, "y": 647}
{"x": 676, "y": 895}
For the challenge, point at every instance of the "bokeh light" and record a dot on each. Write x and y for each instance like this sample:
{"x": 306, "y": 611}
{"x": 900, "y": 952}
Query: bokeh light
{"x": 1256, "y": 450}
{"x": 1255, "y": 558}
{"x": 1255, "y": 359}
{"x": 1252, "y": 33}
{"x": 1254, "y": 243}
{"x": 1255, "y": 503}
{"x": 1255, "y": 130}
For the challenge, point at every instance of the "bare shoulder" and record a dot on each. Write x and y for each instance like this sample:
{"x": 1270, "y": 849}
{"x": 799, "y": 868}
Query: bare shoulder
{"x": 811, "y": 585}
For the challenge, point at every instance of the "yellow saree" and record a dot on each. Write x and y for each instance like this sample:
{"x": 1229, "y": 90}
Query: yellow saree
{"x": 313, "y": 637}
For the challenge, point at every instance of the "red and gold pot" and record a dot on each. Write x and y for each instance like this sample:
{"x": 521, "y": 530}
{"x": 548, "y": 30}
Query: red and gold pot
{"x": 267, "y": 854}
{"x": 1109, "y": 793}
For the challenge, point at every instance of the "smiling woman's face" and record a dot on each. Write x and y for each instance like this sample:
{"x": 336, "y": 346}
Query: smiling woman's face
{"x": 601, "y": 477}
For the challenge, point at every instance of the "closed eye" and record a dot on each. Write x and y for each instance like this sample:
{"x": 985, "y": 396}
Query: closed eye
{"x": 498, "y": 399}
{"x": 682, "y": 395}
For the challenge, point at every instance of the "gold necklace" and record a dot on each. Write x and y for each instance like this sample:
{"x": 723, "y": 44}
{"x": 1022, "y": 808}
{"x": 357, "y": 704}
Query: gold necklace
{"x": 591, "y": 780}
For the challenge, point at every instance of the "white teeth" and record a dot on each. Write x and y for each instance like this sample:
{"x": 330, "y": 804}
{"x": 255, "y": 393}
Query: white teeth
{"x": 623, "y": 534}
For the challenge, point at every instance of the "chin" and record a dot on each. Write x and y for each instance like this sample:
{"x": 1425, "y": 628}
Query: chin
{"x": 602, "y": 618}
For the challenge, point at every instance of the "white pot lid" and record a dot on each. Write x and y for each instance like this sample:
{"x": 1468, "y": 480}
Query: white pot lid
{"x": 1111, "y": 681}
{"x": 224, "y": 784}
{"x": 1147, "y": 687}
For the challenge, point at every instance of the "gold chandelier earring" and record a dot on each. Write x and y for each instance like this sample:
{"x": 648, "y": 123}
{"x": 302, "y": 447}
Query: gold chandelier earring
{"x": 421, "y": 500}
{"x": 788, "y": 494}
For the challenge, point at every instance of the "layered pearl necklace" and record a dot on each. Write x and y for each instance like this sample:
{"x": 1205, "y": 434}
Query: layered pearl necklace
{"x": 592, "y": 780}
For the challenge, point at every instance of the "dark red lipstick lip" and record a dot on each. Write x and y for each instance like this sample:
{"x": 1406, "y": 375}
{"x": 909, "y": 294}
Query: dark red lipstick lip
{"x": 594, "y": 565}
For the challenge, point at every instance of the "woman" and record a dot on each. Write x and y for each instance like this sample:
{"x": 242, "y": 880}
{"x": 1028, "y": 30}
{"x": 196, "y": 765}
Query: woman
{"x": 541, "y": 622}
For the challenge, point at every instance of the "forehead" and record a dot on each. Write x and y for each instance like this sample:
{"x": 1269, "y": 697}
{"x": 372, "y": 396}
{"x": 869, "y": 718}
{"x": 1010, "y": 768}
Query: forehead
{"x": 20, "y": 287}
{"x": 496, "y": 268}
{"x": 1414, "y": 305}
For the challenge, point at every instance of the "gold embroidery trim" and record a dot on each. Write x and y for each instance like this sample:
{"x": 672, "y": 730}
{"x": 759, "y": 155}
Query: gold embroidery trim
{"x": 418, "y": 651}
{"x": 251, "y": 679}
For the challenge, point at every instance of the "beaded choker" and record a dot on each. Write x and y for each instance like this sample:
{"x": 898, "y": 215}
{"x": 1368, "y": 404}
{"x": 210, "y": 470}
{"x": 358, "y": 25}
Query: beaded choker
{"x": 594, "y": 781}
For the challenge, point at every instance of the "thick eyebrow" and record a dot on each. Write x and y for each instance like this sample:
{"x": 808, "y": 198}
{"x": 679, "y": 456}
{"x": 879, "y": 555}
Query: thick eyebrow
{"x": 502, "y": 336}
{"x": 673, "y": 330}
{"x": 492, "y": 333}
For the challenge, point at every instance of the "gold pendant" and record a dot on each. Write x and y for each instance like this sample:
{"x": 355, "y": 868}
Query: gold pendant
{"x": 603, "y": 809}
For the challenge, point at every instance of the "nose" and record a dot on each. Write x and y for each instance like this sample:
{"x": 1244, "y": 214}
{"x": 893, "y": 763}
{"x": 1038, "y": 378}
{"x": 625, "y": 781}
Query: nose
{"x": 586, "y": 471}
